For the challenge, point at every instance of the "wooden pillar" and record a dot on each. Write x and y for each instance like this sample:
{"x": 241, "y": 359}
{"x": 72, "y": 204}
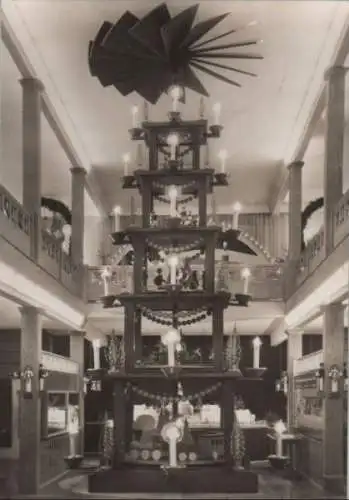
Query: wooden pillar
{"x": 294, "y": 351}
{"x": 210, "y": 264}
{"x": 202, "y": 199}
{"x": 29, "y": 409}
{"x": 153, "y": 153}
{"x": 333, "y": 433}
{"x": 217, "y": 337}
{"x": 77, "y": 354}
{"x": 138, "y": 335}
{"x": 139, "y": 250}
{"x": 119, "y": 403}
{"x": 31, "y": 156}
{"x": 334, "y": 148}
{"x": 129, "y": 324}
{"x": 147, "y": 203}
{"x": 128, "y": 420}
{"x": 228, "y": 418}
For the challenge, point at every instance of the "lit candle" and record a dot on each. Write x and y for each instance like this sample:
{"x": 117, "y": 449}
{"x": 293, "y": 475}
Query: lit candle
{"x": 176, "y": 94}
{"x": 172, "y": 451}
{"x": 173, "y": 263}
{"x": 223, "y": 155}
{"x": 173, "y": 193}
{"x": 173, "y": 141}
{"x": 117, "y": 213}
{"x": 126, "y": 160}
{"x": 217, "y": 108}
{"x": 134, "y": 112}
{"x": 96, "y": 344}
{"x": 279, "y": 428}
{"x": 236, "y": 212}
{"x": 245, "y": 274}
{"x": 256, "y": 342}
{"x": 170, "y": 340}
{"x": 105, "y": 277}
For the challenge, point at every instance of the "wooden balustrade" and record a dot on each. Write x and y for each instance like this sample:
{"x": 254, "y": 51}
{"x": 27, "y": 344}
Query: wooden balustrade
{"x": 19, "y": 229}
{"x": 341, "y": 219}
{"x": 15, "y": 223}
{"x": 265, "y": 283}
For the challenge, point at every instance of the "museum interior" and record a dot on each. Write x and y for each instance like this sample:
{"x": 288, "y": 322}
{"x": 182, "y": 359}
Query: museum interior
{"x": 174, "y": 249}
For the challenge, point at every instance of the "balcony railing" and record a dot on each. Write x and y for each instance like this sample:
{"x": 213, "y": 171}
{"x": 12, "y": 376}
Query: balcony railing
{"x": 265, "y": 283}
{"x": 19, "y": 229}
{"x": 16, "y": 225}
{"x": 341, "y": 219}
{"x": 314, "y": 253}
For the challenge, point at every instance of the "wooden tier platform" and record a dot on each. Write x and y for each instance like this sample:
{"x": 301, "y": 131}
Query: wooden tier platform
{"x": 166, "y": 301}
{"x": 195, "y": 479}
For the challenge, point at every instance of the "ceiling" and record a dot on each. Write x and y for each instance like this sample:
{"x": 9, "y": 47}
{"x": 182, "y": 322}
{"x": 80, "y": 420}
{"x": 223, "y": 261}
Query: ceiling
{"x": 263, "y": 120}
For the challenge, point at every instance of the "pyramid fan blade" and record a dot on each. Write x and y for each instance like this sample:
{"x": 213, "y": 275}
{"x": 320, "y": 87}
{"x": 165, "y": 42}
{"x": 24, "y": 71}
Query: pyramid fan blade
{"x": 223, "y": 66}
{"x": 117, "y": 35}
{"x": 152, "y": 85}
{"x": 232, "y": 55}
{"x": 226, "y": 46}
{"x": 213, "y": 39}
{"x": 201, "y": 29}
{"x": 103, "y": 30}
{"x": 147, "y": 30}
{"x": 213, "y": 73}
{"x": 188, "y": 79}
{"x": 177, "y": 28}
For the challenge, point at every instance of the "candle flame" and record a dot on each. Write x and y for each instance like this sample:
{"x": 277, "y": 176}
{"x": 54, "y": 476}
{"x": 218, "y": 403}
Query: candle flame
{"x": 237, "y": 207}
{"x": 246, "y": 273}
{"x": 256, "y": 342}
{"x": 173, "y": 140}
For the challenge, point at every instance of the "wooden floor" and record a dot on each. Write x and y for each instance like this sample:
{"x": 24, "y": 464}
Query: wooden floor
{"x": 271, "y": 485}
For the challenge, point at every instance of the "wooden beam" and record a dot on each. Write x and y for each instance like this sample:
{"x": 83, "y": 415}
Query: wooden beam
{"x": 27, "y": 70}
{"x": 280, "y": 185}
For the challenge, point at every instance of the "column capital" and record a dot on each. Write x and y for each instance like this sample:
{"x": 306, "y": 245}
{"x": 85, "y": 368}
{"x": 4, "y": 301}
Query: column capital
{"x": 295, "y": 164}
{"x": 78, "y": 170}
{"x": 32, "y": 83}
{"x": 335, "y": 72}
{"x": 294, "y": 331}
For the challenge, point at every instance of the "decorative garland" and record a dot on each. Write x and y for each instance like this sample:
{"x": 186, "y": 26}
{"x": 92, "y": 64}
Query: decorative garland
{"x": 312, "y": 207}
{"x": 58, "y": 207}
{"x": 148, "y": 314}
{"x": 164, "y": 399}
{"x": 177, "y": 249}
{"x": 260, "y": 247}
{"x": 188, "y": 199}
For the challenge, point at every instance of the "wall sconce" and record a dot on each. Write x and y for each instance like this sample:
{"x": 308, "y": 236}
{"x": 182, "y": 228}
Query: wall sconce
{"x": 281, "y": 385}
{"x": 25, "y": 380}
{"x": 320, "y": 377}
{"x": 43, "y": 373}
{"x": 96, "y": 385}
{"x": 334, "y": 374}
{"x": 87, "y": 382}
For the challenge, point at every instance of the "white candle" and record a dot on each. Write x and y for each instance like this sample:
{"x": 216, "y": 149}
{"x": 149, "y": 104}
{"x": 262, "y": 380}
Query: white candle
{"x": 172, "y": 193}
{"x": 321, "y": 384}
{"x": 246, "y": 273}
{"x": 171, "y": 355}
{"x": 217, "y": 113}
{"x": 105, "y": 277}
{"x": 176, "y": 95}
{"x": 173, "y": 262}
{"x": 134, "y": 112}
{"x": 117, "y": 213}
{"x": 236, "y": 212}
{"x": 256, "y": 351}
{"x": 72, "y": 447}
{"x": 96, "y": 344}
{"x": 126, "y": 160}
{"x": 335, "y": 386}
{"x": 278, "y": 446}
{"x": 172, "y": 452}
{"x": 172, "y": 141}
{"x": 222, "y": 155}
